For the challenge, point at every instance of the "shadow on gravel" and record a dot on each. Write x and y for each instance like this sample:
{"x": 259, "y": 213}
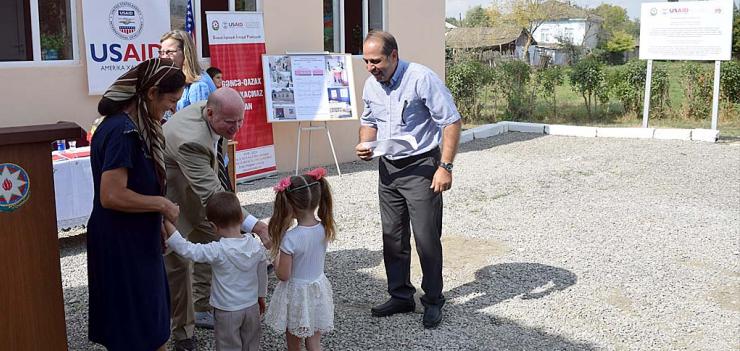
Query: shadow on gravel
{"x": 504, "y": 281}
{"x": 466, "y": 325}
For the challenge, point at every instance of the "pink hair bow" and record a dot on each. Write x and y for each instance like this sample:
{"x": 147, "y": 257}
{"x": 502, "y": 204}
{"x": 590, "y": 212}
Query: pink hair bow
{"x": 282, "y": 185}
{"x": 317, "y": 173}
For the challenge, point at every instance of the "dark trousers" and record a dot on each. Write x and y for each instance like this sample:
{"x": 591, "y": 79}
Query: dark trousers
{"x": 405, "y": 198}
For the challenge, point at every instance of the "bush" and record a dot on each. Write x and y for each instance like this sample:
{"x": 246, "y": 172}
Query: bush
{"x": 465, "y": 79}
{"x": 626, "y": 83}
{"x": 513, "y": 78}
{"x": 548, "y": 79}
{"x": 696, "y": 81}
{"x": 730, "y": 81}
{"x": 586, "y": 78}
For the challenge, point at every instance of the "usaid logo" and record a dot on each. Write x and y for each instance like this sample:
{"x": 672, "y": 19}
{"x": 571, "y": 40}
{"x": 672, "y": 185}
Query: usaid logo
{"x": 126, "y": 20}
{"x": 215, "y": 25}
{"x": 228, "y": 25}
{"x": 653, "y": 11}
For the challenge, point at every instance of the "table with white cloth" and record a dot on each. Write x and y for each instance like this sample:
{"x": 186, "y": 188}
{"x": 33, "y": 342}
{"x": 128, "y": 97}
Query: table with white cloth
{"x": 73, "y": 187}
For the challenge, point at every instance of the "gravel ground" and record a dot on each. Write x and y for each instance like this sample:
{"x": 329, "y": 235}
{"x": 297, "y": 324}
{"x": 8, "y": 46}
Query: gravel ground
{"x": 551, "y": 243}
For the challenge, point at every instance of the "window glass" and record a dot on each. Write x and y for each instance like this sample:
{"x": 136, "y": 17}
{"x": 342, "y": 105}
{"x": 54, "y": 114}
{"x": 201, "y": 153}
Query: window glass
{"x": 15, "y": 31}
{"x": 208, "y": 5}
{"x": 329, "y": 28}
{"x": 374, "y": 15}
{"x": 55, "y": 26}
{"x": 177, "y": 14}
{"x": 246, "y": 5}
{"x": 353, "y": 28}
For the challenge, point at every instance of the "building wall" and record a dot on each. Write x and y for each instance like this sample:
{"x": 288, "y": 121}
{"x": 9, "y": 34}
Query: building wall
{"x": 584, "y": 32}
{"x": 51, "y": 92}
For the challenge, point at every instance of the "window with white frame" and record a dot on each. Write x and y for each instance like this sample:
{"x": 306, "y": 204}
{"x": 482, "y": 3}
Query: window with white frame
{"x": 346, "y": 22}
{"x": 178, "y": 10}
{"x": 37, "y": 30}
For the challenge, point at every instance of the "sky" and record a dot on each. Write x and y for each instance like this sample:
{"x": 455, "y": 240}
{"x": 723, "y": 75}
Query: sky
{"x": 457, "y": 7}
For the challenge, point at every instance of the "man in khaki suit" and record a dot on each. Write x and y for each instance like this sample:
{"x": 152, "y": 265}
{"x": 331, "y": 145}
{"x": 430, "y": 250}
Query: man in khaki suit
{"x": 193, "y": 136}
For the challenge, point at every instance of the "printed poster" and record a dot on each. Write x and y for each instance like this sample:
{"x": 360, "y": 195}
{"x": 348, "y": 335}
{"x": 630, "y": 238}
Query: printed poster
{"x": 237, "y": 43}
{"x": 309, "y": 87}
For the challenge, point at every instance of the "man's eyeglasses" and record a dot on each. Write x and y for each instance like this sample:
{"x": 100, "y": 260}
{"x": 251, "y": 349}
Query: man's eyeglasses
{"x": 167, "y": 52}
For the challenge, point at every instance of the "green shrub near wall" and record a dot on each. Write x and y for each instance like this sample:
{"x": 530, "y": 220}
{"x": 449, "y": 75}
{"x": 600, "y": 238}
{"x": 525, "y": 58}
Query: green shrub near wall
{"x": 513, "y": 78}
{"x": 730, "y": 81}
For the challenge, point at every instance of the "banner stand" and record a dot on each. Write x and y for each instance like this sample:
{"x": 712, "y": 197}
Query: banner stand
{"x": 309, "y": 129}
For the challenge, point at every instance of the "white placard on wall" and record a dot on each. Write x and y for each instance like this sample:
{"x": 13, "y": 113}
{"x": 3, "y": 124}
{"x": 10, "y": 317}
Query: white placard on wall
{"x": 119, "y": 35}
{"x": 692, "y": 30}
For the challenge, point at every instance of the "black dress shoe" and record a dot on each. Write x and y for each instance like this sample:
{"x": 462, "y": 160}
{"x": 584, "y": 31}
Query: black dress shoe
{"x": 432, "y": 316}
{"x": 393, "y": 306}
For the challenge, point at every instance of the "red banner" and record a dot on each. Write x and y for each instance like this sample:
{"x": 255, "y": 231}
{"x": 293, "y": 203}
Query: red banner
{"x": 237, "y": 43}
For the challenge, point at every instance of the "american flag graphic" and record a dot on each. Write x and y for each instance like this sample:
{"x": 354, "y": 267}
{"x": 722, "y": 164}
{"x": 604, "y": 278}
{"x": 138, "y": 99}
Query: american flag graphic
{"x": 190, "y": 21}
{"x": 127, "y": 29}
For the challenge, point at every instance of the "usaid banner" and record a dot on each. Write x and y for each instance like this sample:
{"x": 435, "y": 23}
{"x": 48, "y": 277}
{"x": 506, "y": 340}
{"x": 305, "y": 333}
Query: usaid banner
{"x": 119, "y": 35}
{"x": 237, "y": 43}
{"x": 691, "y": 30}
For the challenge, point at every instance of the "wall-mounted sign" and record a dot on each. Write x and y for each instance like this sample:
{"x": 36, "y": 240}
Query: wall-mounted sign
{"x": 119, "y": 35}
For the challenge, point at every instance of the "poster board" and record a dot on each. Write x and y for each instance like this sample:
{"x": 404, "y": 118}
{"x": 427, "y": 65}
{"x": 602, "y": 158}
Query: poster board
{"x": 309, "y": 87}
{"x": 119, "y": 35}
{"x": 686, "y": 30}
{"x": 237, "y": 43}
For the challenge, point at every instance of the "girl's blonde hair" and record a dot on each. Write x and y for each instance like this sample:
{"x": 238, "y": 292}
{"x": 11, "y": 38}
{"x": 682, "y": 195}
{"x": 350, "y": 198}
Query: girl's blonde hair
{"x": 305, "y": 193}
{"x": 190, "y": 65}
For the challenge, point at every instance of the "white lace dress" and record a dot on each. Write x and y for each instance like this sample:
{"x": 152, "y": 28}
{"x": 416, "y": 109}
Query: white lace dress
{"x": 303, "y": 305}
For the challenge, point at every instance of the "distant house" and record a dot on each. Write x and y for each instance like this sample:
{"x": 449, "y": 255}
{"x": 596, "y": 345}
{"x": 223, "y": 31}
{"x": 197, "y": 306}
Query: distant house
{"x": 488, "y": 44}
{"x": 567, "y": 24}
{"x": 449, "y": 26}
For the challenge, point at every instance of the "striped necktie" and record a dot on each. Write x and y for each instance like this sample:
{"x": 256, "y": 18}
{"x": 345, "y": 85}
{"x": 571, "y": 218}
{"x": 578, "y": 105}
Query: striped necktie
{"x": 223, "y": 175}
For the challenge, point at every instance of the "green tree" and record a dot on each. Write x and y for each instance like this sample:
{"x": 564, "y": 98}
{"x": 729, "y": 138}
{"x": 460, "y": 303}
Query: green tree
{"x": 620, "y": 42}
{"x": 465, "y": 79}
{"x": 453, "y": 21}
{"x": 616, "y": 21}
{"x": 477, "y": 17}
{"x": 615, "y": 48}
{"x": 548, "y": 79}
{"x": 586, "y": 78}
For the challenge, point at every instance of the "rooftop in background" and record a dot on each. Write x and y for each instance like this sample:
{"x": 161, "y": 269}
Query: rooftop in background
{"x": 467, "y": 38}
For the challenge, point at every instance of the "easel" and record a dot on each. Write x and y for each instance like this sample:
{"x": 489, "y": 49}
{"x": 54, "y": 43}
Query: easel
{"x": 309, "y": 129}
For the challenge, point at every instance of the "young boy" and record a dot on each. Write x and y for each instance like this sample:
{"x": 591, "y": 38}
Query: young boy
{"x": 216, "y": 75}
{"x": 239, "y": 282}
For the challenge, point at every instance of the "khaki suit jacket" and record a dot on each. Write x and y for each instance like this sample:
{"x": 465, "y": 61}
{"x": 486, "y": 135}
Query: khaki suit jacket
{"x": 192, "y": 167}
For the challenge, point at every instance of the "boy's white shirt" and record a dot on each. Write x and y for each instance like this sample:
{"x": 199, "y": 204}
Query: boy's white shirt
{"x": 239, "y": 268}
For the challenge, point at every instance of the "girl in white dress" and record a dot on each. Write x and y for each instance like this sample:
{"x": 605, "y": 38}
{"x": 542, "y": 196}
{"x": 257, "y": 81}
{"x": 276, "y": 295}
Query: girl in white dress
{"x": 302, "y": 304}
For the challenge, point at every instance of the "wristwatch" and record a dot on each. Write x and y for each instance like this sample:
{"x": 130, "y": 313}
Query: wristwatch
{"x": 447, "y": 166}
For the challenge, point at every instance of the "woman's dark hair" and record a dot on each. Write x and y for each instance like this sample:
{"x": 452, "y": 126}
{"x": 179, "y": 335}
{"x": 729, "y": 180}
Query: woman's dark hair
{"x": 170, "y": 83}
